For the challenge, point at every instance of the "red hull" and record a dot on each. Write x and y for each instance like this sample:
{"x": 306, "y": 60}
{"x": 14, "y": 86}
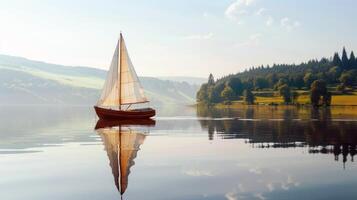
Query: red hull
{"x": 110, "y": 114}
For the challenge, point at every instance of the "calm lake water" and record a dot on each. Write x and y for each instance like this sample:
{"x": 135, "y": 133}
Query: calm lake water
{"x": 186, "y": 153}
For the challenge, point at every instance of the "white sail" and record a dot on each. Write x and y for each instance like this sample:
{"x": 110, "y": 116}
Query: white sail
{"x": 110, "y": 91}
{"x": 122, "y": 85}
{"x": 131, "y": 89}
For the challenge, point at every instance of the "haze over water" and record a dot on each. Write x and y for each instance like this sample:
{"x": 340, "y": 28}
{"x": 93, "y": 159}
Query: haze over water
{"x": 50, "y": 152}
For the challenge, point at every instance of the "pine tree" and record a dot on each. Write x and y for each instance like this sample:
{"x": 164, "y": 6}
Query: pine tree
{"x": 285, "y": 92}
{"x": 210, "y": 80}
{"x": 202, "y": 94}
{"x": 227, "y": 94}
{"x": 345, "y": 61}
{"x": 352, "y": 61}
{"x": 237, "y": 86}
{"x": 336, "y": 61}
{"x": 318, "y": 89}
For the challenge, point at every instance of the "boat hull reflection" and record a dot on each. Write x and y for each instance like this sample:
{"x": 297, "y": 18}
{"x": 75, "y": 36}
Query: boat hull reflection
{"x": 102, "y": 123}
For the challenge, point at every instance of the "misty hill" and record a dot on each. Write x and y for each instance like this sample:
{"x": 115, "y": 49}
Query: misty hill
{"x": 25, "y": 81}
{"x": 190, "y": 80}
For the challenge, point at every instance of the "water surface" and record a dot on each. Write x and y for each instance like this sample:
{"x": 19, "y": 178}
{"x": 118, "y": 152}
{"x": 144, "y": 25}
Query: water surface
{"x": 49, "y": 152}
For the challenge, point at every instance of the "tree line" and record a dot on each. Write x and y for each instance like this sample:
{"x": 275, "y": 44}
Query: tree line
{"x": 315, "y": 75}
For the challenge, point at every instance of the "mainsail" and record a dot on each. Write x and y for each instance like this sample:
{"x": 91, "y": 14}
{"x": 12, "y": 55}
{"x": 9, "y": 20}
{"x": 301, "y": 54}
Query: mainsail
{"x": 122, "y": 85}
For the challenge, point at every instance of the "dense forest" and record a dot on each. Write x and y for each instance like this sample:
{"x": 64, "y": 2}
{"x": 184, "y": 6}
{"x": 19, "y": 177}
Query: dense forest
{"x": 319, "y": 78}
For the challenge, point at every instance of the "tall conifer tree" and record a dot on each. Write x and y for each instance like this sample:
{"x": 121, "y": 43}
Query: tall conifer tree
{"x": 210, "y": 80}
{"x": 336, "y": 60}
{"x": 345, "y": 61}
{"x": 352, "y": 61}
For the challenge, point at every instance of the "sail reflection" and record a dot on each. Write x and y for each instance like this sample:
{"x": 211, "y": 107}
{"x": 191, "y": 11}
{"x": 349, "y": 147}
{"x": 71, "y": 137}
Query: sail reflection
{"x": 321, "y": 131}
{"x": 122, "y": 140}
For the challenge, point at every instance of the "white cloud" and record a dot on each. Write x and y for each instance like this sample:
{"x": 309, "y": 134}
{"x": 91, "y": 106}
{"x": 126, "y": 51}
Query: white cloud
{"x": 237, "y": 9}
{"x": 207, "y": 36}
{"x": 269, "y": 21}
{"x": 284, "y": 21}
{"x": 249, "y": 2}
{"x": 260, "y": 11}
{"x": 289, "y": 24}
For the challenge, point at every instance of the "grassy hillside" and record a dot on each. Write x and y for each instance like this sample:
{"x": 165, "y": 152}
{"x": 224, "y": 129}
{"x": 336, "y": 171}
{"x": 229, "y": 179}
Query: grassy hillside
{"x": 32, "y": 82}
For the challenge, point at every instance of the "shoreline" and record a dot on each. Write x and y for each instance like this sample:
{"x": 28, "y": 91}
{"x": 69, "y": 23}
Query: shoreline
{"x": 237, "y": 105}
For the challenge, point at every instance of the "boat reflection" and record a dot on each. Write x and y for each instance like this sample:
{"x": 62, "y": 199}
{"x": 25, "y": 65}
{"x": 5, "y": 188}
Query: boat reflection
{"x": 122, "y": 140}
{"x": 318, "y": 130}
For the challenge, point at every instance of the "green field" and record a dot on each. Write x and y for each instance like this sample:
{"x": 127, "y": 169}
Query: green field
{"x": 305, "y": 99}
{"x": 270, "y": 97}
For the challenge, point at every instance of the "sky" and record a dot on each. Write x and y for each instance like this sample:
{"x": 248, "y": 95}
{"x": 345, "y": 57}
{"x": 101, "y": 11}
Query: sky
{"x": 178, "y": 37}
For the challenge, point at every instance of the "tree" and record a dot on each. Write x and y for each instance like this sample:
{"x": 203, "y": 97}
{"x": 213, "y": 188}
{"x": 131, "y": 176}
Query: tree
{"x": 248, "y": 84}
{"x": 260, "y": 83}
{"x": 227, "y": 94}
{"x": 352, "y": 61}
{"x": 341, "y": 88}
{"x": 334, "y": 73}
{"x": 321, "y": 75}
{"x": 210, "y": 80}
{"x": 237, "y": 86}
{"x": 345, "y": 60}
{"x": 299, "y": 81}
{"x": 213, "y": 95}
{"x": 248, "y": 97}
{"x": 336, "y": 61}
{"x": 309, "y": 78}
{"x": 315, "y": 98}
{"x": 282, "y": 81}
{"x": 320, "y": 86}
{"x": 346, "y": 79}
{"x": 318, "y": 89}
{"x": 285, "y": 92}
{"x": 202, "y": 94}
{"x": 272, "y": 79}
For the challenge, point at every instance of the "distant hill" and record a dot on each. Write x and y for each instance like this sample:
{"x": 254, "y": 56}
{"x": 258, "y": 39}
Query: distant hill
{"x": 25, "y": 81}
{"x": 190, "y": 80}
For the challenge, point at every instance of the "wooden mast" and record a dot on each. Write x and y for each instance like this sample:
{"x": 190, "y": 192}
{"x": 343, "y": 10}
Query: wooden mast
{"x": 120, "y": 64}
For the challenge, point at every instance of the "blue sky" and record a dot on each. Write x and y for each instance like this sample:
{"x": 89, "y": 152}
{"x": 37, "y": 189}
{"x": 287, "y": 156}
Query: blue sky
{"x": 178, "y": 37}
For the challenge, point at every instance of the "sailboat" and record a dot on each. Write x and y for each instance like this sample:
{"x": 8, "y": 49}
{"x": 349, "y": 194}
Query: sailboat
{"x": 122, "y": 89}
{"x": 122, "y": 143}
